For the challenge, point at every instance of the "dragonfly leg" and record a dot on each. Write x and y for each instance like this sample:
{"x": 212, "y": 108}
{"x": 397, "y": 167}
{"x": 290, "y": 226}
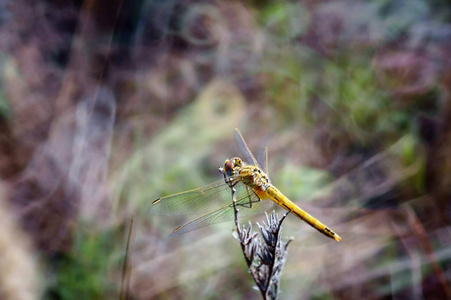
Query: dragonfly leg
{"x": 250, "y": 203}
{"x": 232, "y": 183}
{"x": 249, "y": 191}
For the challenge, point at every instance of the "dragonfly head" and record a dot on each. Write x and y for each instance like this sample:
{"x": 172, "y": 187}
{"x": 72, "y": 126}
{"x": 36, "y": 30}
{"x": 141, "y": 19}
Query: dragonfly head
{"x": 232, "y": 165}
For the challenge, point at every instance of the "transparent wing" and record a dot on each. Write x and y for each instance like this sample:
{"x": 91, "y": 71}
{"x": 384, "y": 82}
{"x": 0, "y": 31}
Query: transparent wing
{"x": 244, "y": 148}
{"x": 197, "y": 201}
{"x": 226, "y": 213}
{"x": 262, "y": 159}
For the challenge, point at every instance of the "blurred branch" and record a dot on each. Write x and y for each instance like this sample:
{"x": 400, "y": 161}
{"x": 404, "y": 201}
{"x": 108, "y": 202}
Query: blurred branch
{"x": 265, "y": 259}
{"x": 126, "y": 268}
{"x": 420, "y": 233}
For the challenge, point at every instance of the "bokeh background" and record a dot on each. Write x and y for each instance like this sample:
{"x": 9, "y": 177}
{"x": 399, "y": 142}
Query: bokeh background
{"x": 108, "y": 105}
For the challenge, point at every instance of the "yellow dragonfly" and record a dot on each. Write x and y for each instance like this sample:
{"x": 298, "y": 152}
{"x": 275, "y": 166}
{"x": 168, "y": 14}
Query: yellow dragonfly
{"x": 214, "y": 202}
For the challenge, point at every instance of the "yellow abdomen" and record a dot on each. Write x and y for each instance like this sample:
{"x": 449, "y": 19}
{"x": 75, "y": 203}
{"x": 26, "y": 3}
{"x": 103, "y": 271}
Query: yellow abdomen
{"x": 275, "y": 195}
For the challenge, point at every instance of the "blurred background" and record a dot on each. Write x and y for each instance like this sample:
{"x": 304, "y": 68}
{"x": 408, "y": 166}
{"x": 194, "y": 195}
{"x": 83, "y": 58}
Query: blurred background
{"x": 107, "y": 105}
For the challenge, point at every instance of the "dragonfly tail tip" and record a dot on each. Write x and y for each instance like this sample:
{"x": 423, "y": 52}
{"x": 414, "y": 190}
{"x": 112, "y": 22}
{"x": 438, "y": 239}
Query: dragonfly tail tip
{"x": 337, "y": 237}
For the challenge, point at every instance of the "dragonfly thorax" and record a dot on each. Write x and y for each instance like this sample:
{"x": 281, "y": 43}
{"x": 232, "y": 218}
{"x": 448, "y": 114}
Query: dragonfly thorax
{"x": 252, "y": 176}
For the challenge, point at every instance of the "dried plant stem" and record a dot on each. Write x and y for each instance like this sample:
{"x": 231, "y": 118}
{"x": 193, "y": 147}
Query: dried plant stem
{"x": 237, "y": 224}
{"x": 264, "y": 259}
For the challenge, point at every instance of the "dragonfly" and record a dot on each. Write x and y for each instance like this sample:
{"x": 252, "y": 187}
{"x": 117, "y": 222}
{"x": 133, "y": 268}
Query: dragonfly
{"x": 254, "y": 192}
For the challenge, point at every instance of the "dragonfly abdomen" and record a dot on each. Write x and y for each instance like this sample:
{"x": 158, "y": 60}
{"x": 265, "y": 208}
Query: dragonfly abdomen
{"x": 275, "y": 195}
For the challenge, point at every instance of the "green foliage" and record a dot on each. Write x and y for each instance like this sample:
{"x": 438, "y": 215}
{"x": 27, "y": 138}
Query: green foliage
{"x": 84, "y": 273}
{"x": 301, "y": 182}
{"x": 342, "y": 95}
{"x": 5, "y": 110}
{"x": 412, "y": 158}
{"x": 356, "y": 104}
{"x": 284, "y": 21}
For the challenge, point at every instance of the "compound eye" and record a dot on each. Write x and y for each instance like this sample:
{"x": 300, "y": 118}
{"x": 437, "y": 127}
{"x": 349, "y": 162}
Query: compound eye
{"x": 228, "y": 167}
{"x": 231, "y": 165}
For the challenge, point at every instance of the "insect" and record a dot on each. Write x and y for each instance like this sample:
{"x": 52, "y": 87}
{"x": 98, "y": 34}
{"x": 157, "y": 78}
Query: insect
{"x": 254, "y": 193}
